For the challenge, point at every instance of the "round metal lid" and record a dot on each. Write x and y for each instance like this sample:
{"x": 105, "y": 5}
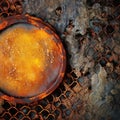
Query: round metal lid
{"x": 32, "y": 59}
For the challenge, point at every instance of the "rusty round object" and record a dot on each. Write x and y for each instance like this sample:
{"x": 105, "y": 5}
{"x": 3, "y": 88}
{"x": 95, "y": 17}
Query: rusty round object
{"x": 32, "y": 59}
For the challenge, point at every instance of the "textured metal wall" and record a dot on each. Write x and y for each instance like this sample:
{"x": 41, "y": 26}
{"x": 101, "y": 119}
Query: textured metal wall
{"x": 90, "y": 32}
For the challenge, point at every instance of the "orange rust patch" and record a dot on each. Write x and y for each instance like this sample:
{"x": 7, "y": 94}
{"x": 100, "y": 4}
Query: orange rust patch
{"x": 30, "y": 61}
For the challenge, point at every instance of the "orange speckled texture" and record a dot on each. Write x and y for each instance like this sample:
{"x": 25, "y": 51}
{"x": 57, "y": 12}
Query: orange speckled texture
{"x": 30, "y": 60}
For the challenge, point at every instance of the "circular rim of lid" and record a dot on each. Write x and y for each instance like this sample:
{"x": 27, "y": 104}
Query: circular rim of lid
{"x": 7, "y": 22}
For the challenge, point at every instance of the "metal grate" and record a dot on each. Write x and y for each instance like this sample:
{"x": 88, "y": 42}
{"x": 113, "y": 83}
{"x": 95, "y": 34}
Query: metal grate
{"x": 60, "y": 104}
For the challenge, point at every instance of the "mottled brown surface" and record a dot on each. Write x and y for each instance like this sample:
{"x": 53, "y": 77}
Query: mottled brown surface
{"x": 90, "y": 32}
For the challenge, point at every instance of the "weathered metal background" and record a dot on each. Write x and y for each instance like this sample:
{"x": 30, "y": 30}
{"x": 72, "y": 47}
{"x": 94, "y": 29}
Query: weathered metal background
{"x": 90, "y": 32}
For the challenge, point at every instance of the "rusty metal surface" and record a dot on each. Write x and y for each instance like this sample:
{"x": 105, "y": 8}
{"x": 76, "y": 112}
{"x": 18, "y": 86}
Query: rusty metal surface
{"x": 50, "y": 84}
{"x": 91, "y": 87}
{"x": 10, "y": 8}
